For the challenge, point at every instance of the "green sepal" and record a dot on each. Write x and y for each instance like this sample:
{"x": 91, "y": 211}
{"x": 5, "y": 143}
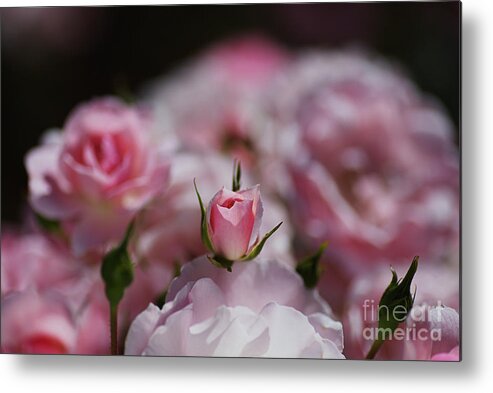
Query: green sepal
{"x": 258, "y": 247}
{"x": 117, "y": 269}
{"x": 222, "y": 262}
{"x": 309, "y": 268}
{"x": 236, "y": 176}
{"x": 48, "y": 225}
{"x": 204, "y": 232}
{"x": 397, "y": 294}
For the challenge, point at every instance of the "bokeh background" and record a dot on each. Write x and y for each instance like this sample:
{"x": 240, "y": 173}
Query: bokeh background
{"x": 54, "y": 58}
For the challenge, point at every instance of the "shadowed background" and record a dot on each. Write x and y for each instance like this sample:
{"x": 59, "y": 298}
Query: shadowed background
{"x": 54, "y": 58}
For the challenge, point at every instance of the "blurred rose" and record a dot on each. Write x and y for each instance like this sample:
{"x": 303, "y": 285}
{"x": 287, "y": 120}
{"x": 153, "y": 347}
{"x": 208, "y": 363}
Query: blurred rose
{"x": 442, "y": 325}
{"x": 97, "y": 174}
{"x": 212, "y": 103}
{"x": 452, "y": 356}
{"x": 49, "y": 322}
{"x": 179, "y": 240}
{"x": 233, "y": 221}
{"x": 436, "y": 286}
{"x": 371, "y": 161}
{"x": 35, "y": 261}
{"x": 37, "y": 268}
{"x": 34, "y": 323}
{"x": 212, "y": 312}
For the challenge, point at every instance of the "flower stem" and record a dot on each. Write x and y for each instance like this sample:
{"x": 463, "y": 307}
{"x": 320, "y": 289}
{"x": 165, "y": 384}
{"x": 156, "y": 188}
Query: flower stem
{"x": 374, "y": 349}
{"x": 114, "y": 328}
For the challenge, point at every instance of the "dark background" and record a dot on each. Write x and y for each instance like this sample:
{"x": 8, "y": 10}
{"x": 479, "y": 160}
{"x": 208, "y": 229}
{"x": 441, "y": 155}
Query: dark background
{"x": 54, "y": 58}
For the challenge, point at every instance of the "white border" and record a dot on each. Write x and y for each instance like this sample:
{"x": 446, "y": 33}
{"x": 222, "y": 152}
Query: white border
{"x": 84, "y": 374}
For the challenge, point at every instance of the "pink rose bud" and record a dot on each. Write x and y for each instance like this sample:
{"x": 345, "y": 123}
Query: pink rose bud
{"x": 98, "y": 173}
{"x": 230, "y": 226}
{"x": 233, "y": 221}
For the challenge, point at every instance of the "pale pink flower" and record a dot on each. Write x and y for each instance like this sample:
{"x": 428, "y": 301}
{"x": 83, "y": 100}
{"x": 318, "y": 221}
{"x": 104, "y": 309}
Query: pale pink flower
{"x": 452, "y": 356}
{"x": 212, "y": 104}
{"x": 371, "y": 164}
{"x": 35, "y": 261}
{"x": 97, "y": 173}
{"x": 212, "y": 312}
{"x": 37, "y": 268}
{"x": 443, "y": 332}
{"x": 34, "y": 323}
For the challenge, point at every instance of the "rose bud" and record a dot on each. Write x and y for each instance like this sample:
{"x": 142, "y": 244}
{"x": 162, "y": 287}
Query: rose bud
{"x": 397, "y": 300}
{"x": 230, "y": 226}
{"x": 394, "y": 307}
{"x": 233, "y": 220}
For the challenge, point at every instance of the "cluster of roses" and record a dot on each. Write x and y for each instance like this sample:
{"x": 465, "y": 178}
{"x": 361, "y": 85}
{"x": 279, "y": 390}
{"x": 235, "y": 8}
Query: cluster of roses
{"x": 345, "y": 150}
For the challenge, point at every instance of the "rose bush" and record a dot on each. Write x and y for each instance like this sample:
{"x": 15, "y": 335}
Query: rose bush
{"x": 347, "y": 151}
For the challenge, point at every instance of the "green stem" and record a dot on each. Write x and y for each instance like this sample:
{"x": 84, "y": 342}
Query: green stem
{"x": 114, "y": 328}
{"x": 374, "y": 349}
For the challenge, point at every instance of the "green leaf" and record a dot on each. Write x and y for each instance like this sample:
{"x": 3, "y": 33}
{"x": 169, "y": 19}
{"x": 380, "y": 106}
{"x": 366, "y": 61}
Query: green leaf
{"x": 222, "y": 262}
{"x": 117, "y": 269}
{"x": 204, "y": 232}
{"x": 309, "y": 268}
{"x": 258, "y": 248}
{"x": 236, "y": 176}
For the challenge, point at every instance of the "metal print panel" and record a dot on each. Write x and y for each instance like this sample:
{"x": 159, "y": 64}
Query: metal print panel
{"x": 274, "y": 181}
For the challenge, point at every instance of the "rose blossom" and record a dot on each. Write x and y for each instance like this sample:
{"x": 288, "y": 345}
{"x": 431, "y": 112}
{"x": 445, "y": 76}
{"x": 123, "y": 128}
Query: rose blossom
{"x": 371, "y": 163}
{"x": 46, "y": 298}
{"x": 452, "y": 356}
{"x": 259, "y": 309}
{"x": 31, "y": 260}
{"x": 37, "y": 324}
{"x": 442, "y": 325}
{"x": 211, "y": 104}
{"x": 98, "y": 173}
{"x": 38, "y": 268}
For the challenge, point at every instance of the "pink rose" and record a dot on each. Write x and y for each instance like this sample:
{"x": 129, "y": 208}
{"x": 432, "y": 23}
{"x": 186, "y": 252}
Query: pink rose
{"x": 36, "y": 269}
{"x": 98, "y": 173}
{"x": 213, "y": 103}
{"x": 371, "y": 163}
{"x": 212, "y": 312}
{"x": 48, "y": 323}
{"x": 442, "y": 327}
{"x": 452, "y": 356}
{"x": 35, "y": 261}
{"x": 34, "y": 323}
